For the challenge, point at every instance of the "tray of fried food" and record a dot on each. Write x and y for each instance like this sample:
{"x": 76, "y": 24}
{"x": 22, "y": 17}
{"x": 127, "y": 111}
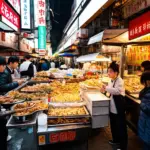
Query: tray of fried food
{"x": 29, "y": 108}
{"x": 7, "y": 100}
{"x": 40, "y": 79}
{"x": 67, "y": 121}
{"x": 91, "y": 84}
{"x": 65, "y": 97}
{"x": 42, "y": 87}
{"x": 133, "y": 85}
{"x": 29, "y": 96}
{"x": 43, "y": 74}
{"x": 68, "y": 92}
{"x": 67, "y": 112}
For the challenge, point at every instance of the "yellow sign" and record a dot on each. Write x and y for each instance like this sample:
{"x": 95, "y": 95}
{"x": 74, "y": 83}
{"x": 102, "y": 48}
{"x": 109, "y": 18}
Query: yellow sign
{"x": 42, "y": 140}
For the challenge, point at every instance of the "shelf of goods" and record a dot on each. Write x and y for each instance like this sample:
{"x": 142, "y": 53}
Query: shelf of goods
{"x": 72, "y": 111}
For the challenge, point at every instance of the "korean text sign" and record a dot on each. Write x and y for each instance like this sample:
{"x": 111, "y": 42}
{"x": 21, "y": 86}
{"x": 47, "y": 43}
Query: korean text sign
{"x": 9, "y": 17}
{"x": 139, "y": 26}
{"x": 25, "y": 14}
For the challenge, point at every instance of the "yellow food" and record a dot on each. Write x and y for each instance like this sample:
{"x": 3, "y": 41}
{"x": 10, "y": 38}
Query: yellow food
{"x": 37, "y": 88}
{"x": 92, "y": 83}
{"x": 68, "y": 92}
{"x": 31, "y": 96}
{"x": 68, "y": 111}
{"x": 29, "y": 107}
{"x": 39, "y": 79}
{"x": 133, "y": 85}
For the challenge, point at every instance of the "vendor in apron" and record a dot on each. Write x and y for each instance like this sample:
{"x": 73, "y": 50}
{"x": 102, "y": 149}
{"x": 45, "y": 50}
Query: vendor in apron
{"x": 117, "y": 107}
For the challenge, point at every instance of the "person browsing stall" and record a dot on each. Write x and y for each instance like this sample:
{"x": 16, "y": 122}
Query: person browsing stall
{"x": 144, "y": 119}
{"x": 6, "y": 83}
{"x": 27, "y": 68}
{"x": 116, "y": 90}
{"x": 12, "y": 66}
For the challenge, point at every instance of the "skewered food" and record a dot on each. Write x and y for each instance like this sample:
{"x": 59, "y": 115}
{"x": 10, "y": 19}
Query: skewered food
{"x": 29, "y": 107}
{"x": 40, "y": 79}
{"x": 67, "y": 111}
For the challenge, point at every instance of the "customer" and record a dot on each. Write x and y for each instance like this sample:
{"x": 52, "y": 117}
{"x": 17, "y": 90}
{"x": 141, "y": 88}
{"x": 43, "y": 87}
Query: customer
{"x": 6, "y": 83}
{"x": 144, "y": 119}
{"x": 52, "y": 64}
{"x": 145, "y": 65}
{"x": 27, "y": 68}
{"x": 117, "y": 107}
{"x": 12, "y": 66}
{"x": 44, "y": 65}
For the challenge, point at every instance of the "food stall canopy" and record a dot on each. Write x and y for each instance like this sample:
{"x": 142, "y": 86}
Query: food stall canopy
{"x": 93, "y": 57}
{"x": 95, "y": 39}
{"x": 110, "y": 36}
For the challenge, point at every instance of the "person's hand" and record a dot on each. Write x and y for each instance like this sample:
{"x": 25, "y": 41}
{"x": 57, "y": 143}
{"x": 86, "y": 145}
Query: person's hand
{"x": 20, "y": 82}
{"x": 103, "y": 89}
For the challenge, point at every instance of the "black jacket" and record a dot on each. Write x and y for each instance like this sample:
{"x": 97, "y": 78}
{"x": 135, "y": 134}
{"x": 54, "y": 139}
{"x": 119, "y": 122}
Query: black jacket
{"x": 6, "y": 83}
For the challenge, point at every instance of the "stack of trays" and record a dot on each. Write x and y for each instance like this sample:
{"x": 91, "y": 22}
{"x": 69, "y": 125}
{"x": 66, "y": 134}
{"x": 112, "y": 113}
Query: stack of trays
{"x": 98, "y": 106}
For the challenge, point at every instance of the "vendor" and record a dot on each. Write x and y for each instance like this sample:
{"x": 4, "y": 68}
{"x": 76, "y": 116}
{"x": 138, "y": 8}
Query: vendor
{"x": 116, "y": 90}
{"x": 6, "y": 83}
{"x": 145, "y": 65}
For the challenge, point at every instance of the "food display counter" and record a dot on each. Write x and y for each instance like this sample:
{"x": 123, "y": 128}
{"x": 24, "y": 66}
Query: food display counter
{"x": 71, "y": 111}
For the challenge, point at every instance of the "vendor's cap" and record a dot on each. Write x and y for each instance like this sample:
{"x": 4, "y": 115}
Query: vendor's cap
{"x": 2, "y": 61}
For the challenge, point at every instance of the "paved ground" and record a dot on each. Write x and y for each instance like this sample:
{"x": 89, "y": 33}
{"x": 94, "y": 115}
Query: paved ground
{"x": 23, "y": 140}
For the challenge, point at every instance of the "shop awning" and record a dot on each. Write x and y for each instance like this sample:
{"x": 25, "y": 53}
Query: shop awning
{"x": 93, "y": 57}
{"x": 68, "y": 54}
{"x": 110, "y": 36}
{"x": 95, "y": 39}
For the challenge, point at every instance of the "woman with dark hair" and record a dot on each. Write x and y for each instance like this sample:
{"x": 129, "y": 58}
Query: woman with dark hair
{"x": 144, "y": 119}
{"x": 117, "y": 107}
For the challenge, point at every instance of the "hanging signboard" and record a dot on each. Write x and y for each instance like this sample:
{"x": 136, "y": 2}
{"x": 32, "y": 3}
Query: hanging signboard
{"x": 25, "y": 14}
{"x": 15, "y": 4}
{"x": 134, "y": 6}
{"x": 139, "y": 26}
{"x": 9, "y": 16}
{"x": 42, "y": 37}
{"x": 41, "y": 27}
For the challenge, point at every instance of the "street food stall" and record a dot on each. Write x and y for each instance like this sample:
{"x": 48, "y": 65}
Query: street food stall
{"x": 71, "y": 107}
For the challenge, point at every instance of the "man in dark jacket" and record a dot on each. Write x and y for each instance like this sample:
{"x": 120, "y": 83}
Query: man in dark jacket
{"x": 12, "y": 66}
{"x": 6, "y": 83}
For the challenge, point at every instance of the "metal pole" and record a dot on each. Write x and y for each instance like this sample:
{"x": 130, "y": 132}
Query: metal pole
{"x": 122, "y": 61}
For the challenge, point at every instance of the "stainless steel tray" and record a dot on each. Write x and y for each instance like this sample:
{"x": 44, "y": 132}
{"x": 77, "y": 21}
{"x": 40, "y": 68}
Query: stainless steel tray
{"x": 68, "y": 124}
{"x": 87, "y": 115}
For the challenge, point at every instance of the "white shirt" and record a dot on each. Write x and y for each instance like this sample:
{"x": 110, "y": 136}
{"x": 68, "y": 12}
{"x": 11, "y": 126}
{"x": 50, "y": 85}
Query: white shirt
{"x": 24, "y": 66}
{"x": 52, "y": 65}
{"x": 118, "y": 89}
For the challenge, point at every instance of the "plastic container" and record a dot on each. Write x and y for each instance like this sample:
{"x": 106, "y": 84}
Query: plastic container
{"x": 42, "y": 122}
